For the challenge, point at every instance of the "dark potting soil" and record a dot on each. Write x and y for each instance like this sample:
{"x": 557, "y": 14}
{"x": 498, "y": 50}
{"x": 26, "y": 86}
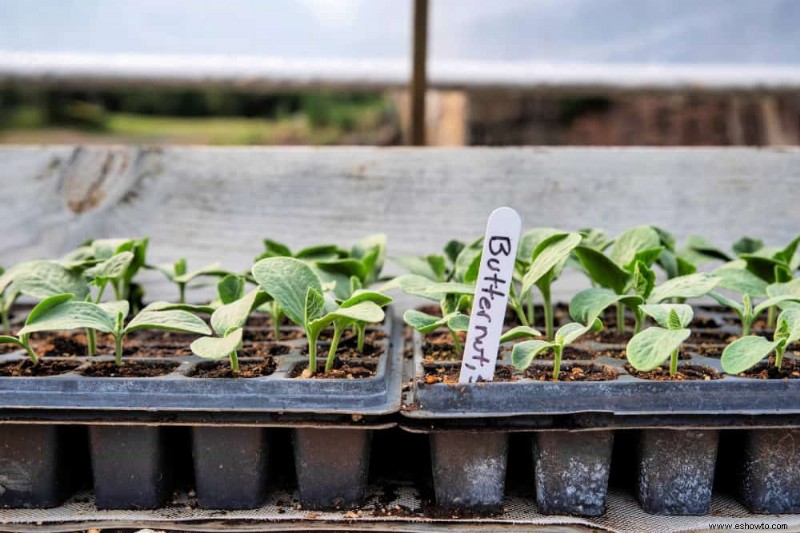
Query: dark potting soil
{"x": 707, "y": 349}
{"x": 222, "y": 369}
{"x": 685, "y": 373}
{"x": 267, "y": 335}
{"x": 8, "y": 348}
{"x": 606, "y": 336}
{"x": 129, "y": 369}
{"x": 700, "y": 336}
{"x": 44, "y": 368}
{"x": 342, "y": 369}
{"x": 161, "y": 337}
{"x": 264, "y": 350}
{"x": 59, "y": 345}
{"x": 449, "y": 374}
{"x": 611, "y": 353}
{"x": 575, "y": 372}
{"x": 790, "y": 369}
{"x": 263, "y": 320}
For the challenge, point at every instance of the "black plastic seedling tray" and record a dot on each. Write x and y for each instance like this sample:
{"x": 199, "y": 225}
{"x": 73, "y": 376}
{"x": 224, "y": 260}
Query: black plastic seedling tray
{"x": 231, "y": 420}
{"x": 573, "y": 423}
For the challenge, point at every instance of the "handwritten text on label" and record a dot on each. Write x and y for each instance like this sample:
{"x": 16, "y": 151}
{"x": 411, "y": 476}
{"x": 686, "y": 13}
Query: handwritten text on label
{"x": 491, "y": 295}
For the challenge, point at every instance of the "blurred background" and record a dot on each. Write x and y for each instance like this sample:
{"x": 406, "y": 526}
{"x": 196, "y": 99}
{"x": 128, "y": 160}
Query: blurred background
{"x": 330, "y": 72}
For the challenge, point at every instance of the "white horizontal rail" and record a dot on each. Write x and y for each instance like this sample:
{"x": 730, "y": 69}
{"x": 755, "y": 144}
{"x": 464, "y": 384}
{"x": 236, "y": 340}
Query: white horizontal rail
{"x": 260, "y": 73}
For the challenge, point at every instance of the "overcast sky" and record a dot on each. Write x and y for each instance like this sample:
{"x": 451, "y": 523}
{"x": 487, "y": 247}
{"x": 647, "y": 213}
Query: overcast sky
{"x": 671, "y": 31}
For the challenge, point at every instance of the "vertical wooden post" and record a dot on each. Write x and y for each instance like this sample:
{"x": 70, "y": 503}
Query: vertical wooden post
{"x": 419, "y": 80}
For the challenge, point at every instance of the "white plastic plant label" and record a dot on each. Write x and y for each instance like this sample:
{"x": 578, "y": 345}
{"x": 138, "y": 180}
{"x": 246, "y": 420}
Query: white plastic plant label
{"x": 491, "y": 295}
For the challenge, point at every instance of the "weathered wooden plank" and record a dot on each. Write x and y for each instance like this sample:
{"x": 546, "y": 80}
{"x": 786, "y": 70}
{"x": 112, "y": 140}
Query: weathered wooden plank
{"x": 213, "y": 204}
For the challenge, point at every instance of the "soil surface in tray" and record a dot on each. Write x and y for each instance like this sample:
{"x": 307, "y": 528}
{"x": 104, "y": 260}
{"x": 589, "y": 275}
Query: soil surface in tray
{"x": 572, "y": 373}
{"x": 74, "y": 345}
{"x": 706, "y": 349}
{"x": 264, "y": 350}
{"x": 247, "y": 369}
{"x": 450, "y": 373}
{"x": 129, "y": 369}
{"x": 266, "y": 335}
{"x": 685, "y": 373}
{"x": 45, "y": 368}
{"x": 790, "y": 369}
{"x": 342, "y": 369}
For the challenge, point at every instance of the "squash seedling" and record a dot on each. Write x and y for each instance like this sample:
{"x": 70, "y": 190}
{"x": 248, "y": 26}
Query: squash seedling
{"x": 523, "y": 353}
{"x": 774, "y": 266}
{"x": 179, "y": 274}
{"x": 744, "y": 353}
{"x": 227, "y": 323}
{"x": 38, "y": 280}
{"x": 425, "y": 323}
{"x": 298, "y": 291}
{"x": 547, "y": 262}
{"x": 454, "y": 300}
{"x": 435, "y": 267}
{"x": 674, "y": 262}
{"x": 650, "y": 348}
{"x": 625, "y": 266}
{"x": 65, "y": 312}
{"x": 523, "y": 303}
{"x": 735, "y": 277}
{"x": 589, "y": 304}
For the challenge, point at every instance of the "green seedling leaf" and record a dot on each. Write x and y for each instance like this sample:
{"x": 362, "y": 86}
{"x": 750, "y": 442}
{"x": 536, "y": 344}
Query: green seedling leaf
{"x": 549, "y": 257}
{"x": 314, "y": 306}
{"x": 529, "y": 240}
{"x": 522, "y": 354}
{"x": 181, "y": 321}
{"x": 746, "y": 352}
{"x": 287, "y": 280}
{"x": 789, "y": 289}
{"x": 644, "y": 280}
{"x": 747, "y": 245}
{"x": 634, "y": 241}
{"x": 169, "y": 306}
{"x": 788, "y": 327}
{"x": 519, "y": 332}
{"x": 234, "y": 315}
{"x": 112, "y": 268}
{"x": 63, "y": 312}
{"x": 776, "y": 300}
{"x": 367, "y": 311}
{"x": 458, "y": 322}
{"x": 468, "y": 262}
{"x": 736, "y": 277}
{"x": 230, "y": 288}
{"x": 650, "y": 348}
{"x": 276, "y": 249}
{"x": 43, "y": 279}
{"x": 452, "y": 249}
{"x": 425, "y": 288}
{"x": 706, "y": 250}
{"x": 217, "y": 347}
{"x": 214, "y": 269}
{"x": 603, "y": 270}
{"x": 586, "y": 306}
{"x": 431, "y": 267}
{"x": 661, "y": 313}
{"x": 363, "y": 295}
{"x": 691, "y": 286}
{"x": 319, "y": 252}
{"x": 595, "y": 238}
{"x": 423, "y": 322}
{"x": 569, "y": 333}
